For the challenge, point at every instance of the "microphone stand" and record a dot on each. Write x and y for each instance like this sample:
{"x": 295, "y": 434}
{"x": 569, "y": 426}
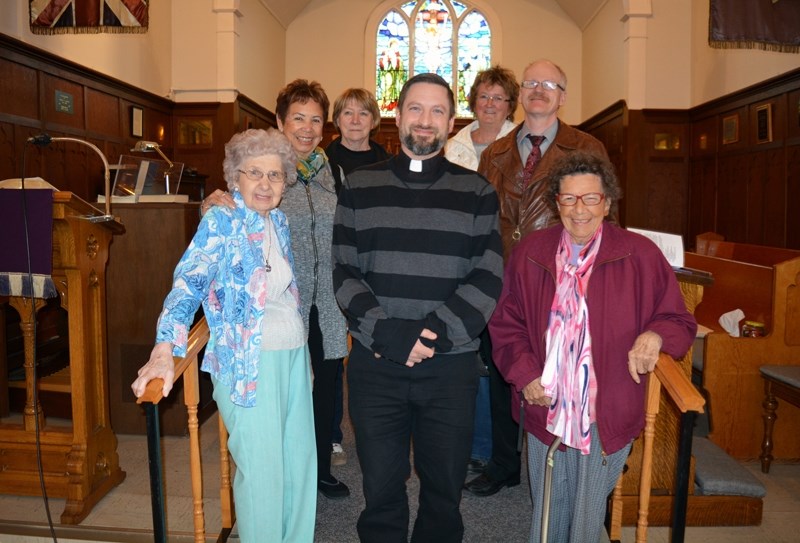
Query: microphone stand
{"x": 43, "y": 140}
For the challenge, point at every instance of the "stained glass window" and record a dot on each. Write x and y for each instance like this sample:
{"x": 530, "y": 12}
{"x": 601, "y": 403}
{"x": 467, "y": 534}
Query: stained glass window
{"x": 446, "y": 37}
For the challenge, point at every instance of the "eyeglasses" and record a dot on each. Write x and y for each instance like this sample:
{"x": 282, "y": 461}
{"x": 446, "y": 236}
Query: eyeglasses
{"x": 274, "y": 176}
{"x": 546, "y": 84}
{"x": 490, "y": 99}
{"x": 588, "y": 199}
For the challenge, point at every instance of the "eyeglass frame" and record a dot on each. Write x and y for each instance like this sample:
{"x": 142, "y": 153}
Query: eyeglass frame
{"x": 580, "y": 197}
{"x": 254, "y": 174}
{"x": 483, "y": 97}
{"x": 546, "y": 84}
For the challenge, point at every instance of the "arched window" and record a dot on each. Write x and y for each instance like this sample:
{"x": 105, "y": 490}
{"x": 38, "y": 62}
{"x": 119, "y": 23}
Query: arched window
{"x": 446, "y": 37}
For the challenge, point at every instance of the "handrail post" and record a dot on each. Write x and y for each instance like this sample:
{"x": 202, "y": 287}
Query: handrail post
{"x": 681, "y": 502}
{"x": 154, "y": 461}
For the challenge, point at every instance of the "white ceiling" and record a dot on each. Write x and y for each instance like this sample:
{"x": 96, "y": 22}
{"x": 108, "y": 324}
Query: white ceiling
{"x": 581, "y": 11}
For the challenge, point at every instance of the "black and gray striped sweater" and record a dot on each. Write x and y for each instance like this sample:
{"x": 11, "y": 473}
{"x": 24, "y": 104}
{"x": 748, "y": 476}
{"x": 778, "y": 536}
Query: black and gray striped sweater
{"x": 415, "y": 250}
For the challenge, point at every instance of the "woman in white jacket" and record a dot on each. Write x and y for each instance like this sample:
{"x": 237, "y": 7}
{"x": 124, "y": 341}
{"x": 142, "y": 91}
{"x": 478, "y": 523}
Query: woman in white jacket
{"x": 493, "y": 99}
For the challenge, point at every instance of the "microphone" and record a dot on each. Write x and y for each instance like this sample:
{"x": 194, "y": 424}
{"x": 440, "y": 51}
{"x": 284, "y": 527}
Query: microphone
{"x": 43, "y": 140}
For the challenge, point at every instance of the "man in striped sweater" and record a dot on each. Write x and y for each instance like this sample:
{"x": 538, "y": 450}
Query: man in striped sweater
{"x": 417, "y": 271}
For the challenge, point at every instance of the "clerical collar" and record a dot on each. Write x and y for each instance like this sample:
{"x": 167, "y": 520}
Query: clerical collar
{"x": 419, "y": 170}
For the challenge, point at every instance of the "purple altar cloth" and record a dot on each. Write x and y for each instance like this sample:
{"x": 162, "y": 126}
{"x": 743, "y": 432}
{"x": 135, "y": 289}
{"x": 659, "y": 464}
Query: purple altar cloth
{"x": 16, "y": 279}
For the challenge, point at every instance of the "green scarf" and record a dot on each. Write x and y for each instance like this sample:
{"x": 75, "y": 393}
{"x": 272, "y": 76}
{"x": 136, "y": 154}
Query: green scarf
{"x": 308, "y": 168}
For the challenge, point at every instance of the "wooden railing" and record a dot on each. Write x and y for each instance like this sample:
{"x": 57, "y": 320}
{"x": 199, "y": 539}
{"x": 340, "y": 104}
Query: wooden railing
{"x": 188, "y": 369}
{"x": 669, "y": 376}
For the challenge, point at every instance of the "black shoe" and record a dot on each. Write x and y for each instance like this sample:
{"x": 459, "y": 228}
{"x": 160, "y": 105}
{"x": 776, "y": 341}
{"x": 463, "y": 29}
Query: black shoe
{"x": 333, "y": 489}
{"x": 476, "y": 467}
{"x": 483, "y": 485}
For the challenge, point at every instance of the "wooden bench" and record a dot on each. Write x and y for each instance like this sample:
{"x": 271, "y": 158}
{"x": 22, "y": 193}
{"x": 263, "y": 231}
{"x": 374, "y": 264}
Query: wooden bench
{"x": 779, "y": 382}
{"x": 763, "y": 282}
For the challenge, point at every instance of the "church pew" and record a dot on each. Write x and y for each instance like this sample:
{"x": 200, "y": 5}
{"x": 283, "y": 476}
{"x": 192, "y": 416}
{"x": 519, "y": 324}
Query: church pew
{"x": 764, "y": 286}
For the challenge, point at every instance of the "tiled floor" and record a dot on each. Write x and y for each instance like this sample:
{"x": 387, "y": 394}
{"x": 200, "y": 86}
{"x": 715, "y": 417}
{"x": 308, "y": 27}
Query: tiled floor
{"x": 124, "y": 515}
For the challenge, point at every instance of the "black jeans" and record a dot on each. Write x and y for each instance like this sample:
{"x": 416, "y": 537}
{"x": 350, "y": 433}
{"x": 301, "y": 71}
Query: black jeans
{"x": 324, "y": 408}
{"x": 505, "y": 462}
{"x": 390, "y": 405}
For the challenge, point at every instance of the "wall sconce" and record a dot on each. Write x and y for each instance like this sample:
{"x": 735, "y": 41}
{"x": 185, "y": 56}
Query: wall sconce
{"x": 149, "y": 146}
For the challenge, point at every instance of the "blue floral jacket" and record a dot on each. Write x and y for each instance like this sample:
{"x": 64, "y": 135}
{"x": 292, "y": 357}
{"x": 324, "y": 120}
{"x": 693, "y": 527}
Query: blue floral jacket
{"x": 223, "y": 268}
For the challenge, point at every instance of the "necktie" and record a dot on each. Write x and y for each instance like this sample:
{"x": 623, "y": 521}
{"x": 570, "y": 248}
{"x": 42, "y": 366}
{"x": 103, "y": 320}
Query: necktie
{"x": 533, "y": 158}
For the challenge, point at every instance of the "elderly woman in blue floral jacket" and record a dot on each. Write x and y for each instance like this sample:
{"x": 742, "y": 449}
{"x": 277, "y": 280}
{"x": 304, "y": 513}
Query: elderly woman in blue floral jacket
{"x": 240, "y": 267}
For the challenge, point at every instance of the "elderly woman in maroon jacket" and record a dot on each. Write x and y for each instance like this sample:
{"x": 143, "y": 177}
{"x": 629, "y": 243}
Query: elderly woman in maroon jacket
{"x": 585, "y": 310}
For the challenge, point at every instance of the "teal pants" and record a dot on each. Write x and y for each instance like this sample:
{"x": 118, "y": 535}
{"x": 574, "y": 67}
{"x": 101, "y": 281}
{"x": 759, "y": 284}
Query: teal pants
{"x": 273, "y": 446}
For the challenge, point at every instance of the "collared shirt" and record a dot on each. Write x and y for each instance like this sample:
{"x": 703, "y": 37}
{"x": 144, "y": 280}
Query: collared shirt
{"x": 524, "y": 143}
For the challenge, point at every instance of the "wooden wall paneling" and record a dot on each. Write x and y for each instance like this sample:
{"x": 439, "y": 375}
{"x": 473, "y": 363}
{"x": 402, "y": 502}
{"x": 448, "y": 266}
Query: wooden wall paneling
{"x": 102, "y": 114}
{"x": 732, "y": 196}
{"x": 19, "y": 90}
{"x": 702, "y": 197}
{"x": 8, "y": 167}
{"x": 157, "y": 126}
{"x": 74, "y": 158}
{"x": 634, "y": 202}
{"x": 73, "y": 122}
{"x": 705, "y": 137}
{"x": 251, "y": 115}
{"x": 12, "y": 152}
{"x": 793, "y": 114}
{"x": 206, "y": 158}
{"x": 773, "y": 196}
{"x": 702, "y": 177}
{"x": 655, "y": 170}
{"x": 95, "y": 171}
{"x": 793, "y": 196}
{"x": 666, "y": 149}
{"x": 757, "y": 178}
{"x": 113, "y": 150}
{"x": 667, "y": 196}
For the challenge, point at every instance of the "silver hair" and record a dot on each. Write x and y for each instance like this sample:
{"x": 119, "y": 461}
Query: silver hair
{"x": 255, "y": 143}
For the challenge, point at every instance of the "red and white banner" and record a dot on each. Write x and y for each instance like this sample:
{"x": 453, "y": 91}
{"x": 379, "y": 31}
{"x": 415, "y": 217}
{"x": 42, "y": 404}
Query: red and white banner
{"x": 88, "y": 16}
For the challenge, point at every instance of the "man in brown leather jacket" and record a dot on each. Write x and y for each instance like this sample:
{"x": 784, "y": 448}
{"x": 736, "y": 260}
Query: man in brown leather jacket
{"x": 523, "y": 210}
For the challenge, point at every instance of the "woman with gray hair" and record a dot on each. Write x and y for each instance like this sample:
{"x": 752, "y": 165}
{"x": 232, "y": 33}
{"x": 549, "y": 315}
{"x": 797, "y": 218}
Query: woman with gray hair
{"x": 301, "y": 110}
{"x": 240, "y": 267}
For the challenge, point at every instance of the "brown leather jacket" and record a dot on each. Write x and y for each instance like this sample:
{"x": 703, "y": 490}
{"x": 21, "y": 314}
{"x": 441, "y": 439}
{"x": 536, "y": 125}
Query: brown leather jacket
{"x": 526, "y": 211}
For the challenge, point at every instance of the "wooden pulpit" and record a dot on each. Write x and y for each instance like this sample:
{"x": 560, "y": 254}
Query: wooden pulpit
{"x": 80, "y": 460}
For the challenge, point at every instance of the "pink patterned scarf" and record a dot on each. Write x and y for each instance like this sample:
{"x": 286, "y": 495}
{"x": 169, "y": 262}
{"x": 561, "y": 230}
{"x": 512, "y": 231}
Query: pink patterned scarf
{"x": 568, "y": 376}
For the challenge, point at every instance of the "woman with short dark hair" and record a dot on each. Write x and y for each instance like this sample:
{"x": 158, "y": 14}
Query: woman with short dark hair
{"x": 585, "y": 310}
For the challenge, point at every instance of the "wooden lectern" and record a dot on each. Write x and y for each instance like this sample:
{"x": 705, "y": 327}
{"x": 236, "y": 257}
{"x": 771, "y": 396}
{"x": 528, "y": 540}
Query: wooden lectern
{"x": 80, "y": 462}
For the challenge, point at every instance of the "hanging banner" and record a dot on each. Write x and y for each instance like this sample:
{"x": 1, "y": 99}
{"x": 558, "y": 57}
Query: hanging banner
{"x": 88, "y": 16}
{"x": 772, "y": 25}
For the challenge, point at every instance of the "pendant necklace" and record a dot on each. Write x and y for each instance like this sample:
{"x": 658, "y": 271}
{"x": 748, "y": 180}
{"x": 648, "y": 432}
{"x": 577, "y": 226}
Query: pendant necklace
{"x": 267, "y": 267}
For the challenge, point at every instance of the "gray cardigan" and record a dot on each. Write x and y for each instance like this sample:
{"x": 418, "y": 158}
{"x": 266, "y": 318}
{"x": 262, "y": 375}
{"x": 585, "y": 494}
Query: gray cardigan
{"x": 295, "y": 205}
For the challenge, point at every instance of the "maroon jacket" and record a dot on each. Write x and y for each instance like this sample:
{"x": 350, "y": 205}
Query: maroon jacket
{"x": 632, "y": 290}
